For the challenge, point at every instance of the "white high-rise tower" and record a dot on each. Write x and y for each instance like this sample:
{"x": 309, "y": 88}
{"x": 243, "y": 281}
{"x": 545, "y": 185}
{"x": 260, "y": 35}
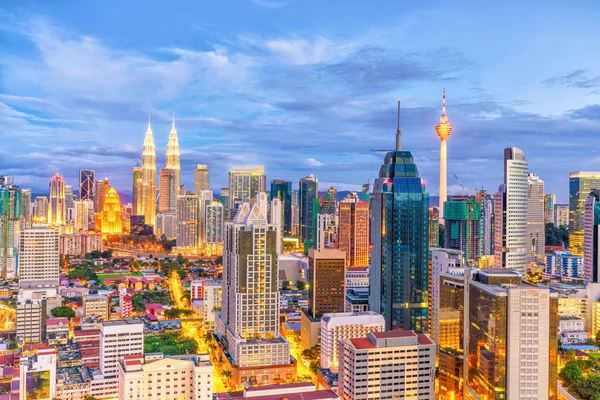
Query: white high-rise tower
{"x": 173, "y": 156}
{"x": 443, "y": 130}
{"x": 149, "y": 178}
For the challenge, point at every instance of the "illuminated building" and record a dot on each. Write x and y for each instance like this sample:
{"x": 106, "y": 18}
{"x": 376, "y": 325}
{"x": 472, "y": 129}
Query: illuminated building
{"x": 565, "y": 265}
{"x": 309, "y": 190}
{"x": 10, "y": 216}
{"x": 149, "y": 178}
{"x": 326, "y": 281}
{"x": 276, "y": 218}
{"x": 26, "y": 211}
{"x": 462, "y": 224}
{"x": 136, "y": 200}
{"x": 96, "y": 305}
{"x": 282, "y": 190}
{"x": 375, "y": 358}
{"x": 39, "y": 258}
{"x": 510, "y": 209}
{"x": 581, "y": 184}
{"x": 434, "y": 227}
{"x": 125, "y": 305}
{"x": 214, "y": 223}
{"x": 591, "y": 233}
{"x": 549, "y": 202}
{"x": 210, "y": 293}
{"x": 80, "y": 243}
{"x": 86, "y": 184}
{"x": 353, "y": 230}
{"x": 82, "y": 214}
{"x": 37, "y": 373}
{"x": 329, "y": 204}
{"x": 249, "y": 320}
{"x": 167, "y": 195}
{"x": 201, "y": 178}
{"x": 336, "y": 327}
{"x": 205, "y": 198}
{"x": 69, "y": 196}
{"x": 187, "y": 221}
{"x": 512, "y": 338}
{"x": 224, "y": 199}
{"x": 536, "y": 229}
{"x": 443, "y": 130}
{"x": 295, "y": 214}
{"x": 400, "y": 239}
{"x": 244, "y": 185}
{"x": 326, "y": 229}
{"x": 172, "y": 160}
{"x": 102, "y": 187}
{"x": 109, "y": 220}
{"x": 166, "y": 224}
{"x": 40, "y": 209}
{"x": 561, "y": 215}
{"x": 57, "y": 208}
{"x": 486, "y": 243}
{"x": 31, "y": 319}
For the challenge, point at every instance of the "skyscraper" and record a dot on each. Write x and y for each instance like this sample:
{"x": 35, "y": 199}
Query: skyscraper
{"x": 591, "y": 241}
{"x": 10, "y": 214}
{"x": 205, "y": 198}
{"x": 283, "y": 191}
{"x": 400, "y": 240}
{"x": 149, "y": 178}
{"x": 443, "y": 130}
{"x": 536, "y": 230}
{"x": 187, "y": 221}
{"x": 40, "y": 209}
{"x": 167, "y": 195}
{"x": 39, "y": 258}
{"x": 549, "y": 202}
{"x": 214, "y": 223}
{"x": 86, "y": 184}
{"x": 109, "y": 220}
{"x": 510, "y": 203}
{"x": 173, "y": 158}
{"x": 309, "y": 190}
{"x": 581, "y": 185}
{"x": 82, "y": 215}
{"x": 561, "y": 215}
{"x": 327, "y": 281}
{"x": 462, "y": 227}
{"x": 26, "y": 212}
{"x": 69, "y": 196}
{"x": 250, "y": 314}
{"x": 244, "y": 184}
{"x": 57, "y": 208}
{"x": 136, "y": 200}
{"x": 201, "y": 178}
{"x": 434, "y": 227}
{"x": 353, "y": 230}
{"x": 102, "y": 187}
{"x": 487, "y": 223}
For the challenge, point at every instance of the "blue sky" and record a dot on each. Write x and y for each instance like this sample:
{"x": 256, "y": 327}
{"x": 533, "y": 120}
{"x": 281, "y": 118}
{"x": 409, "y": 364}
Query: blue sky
{"x": 300, "y": 87}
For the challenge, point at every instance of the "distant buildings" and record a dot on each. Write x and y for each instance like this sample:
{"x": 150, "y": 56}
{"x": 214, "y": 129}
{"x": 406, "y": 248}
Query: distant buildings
{"x": 10, "y": 216}
{"x": 549, "y": 203}
{"x": 565, "y": 265}
{"x": 462, "y": 227}
{"x": 283, "y": 191}
{"x": 187, "y": 220}
{"x": 102, "y": 187}
{"x": 561, "y": 215}
{"x": 591, "y": 238}
{"x": 536, "y": 228}
{"x": 353, "y": 230}
{"x": 86, "y": 184}
{"x": 57, "y": 207}
{"x": 581, "y": 184}
{"x": 244, "y": 184}
{"x": 137, "y": 194}
{"x": 172, "y": 163}
{"x": 148, "y": 192}
{"x": 309, "y": 191}
{"x": 201, "y": 178}
{"x": 108, "y": 221}
{"x": 168, "y": 191}
{"x": 326, "y": 280}
{"x": 81, "y": 243}
{"x": 400, "y": 240}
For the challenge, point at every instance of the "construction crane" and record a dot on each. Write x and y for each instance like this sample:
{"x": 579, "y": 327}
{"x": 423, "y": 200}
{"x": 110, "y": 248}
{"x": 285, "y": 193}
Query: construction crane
{"x": 461, "y": 185}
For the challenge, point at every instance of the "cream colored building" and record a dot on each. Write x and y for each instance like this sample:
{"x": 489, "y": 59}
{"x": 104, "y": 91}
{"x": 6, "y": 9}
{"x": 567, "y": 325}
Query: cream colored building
{"x": 182, "y": 378}
{"x": 96, "y": 305}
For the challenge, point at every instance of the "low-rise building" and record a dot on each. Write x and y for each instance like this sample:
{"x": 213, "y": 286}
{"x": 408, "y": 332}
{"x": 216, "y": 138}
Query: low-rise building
{"x": 292, "y": 391}
{"x": 57, "y": 331}
{"x": 357, "y": 300}
{"x": 96, "y": 305}
{"x": 571, "y": 330}
{"x": 387, "y": 365}
{"x": 357, "y": 277}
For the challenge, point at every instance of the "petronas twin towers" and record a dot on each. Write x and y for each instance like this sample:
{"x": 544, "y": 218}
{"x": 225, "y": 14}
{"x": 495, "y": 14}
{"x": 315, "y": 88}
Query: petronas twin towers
{"x": 148, "y": 197}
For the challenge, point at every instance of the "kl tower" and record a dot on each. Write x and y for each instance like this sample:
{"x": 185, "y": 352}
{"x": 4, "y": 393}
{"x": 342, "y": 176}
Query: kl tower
{"x": 443, "y": 130}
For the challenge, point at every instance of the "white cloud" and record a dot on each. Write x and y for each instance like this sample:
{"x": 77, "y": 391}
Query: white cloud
{"x": 302, "y": 52}
{"x": 311, "y": 162}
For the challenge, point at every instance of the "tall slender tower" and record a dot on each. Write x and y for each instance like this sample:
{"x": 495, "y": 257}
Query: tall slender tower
{"x": 173, "y": 156}
{"x": 443, "y": 130}
{"x": 149, "y": 178}
{"x": 57, "y": 210}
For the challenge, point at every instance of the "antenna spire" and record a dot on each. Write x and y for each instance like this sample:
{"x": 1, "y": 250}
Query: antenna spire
{"x": 444, "y": 102}
{"x": 173, "y": 121}
{"x": 149, "y": 121}
{"x": 398, "y": 132}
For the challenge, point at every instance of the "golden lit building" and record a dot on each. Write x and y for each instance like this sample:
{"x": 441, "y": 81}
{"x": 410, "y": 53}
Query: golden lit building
{"x": 57, "y": 207}
{"x": 353, "y": 230}
{"x": 108, "y": 222}
{"x": 149, "y": 178}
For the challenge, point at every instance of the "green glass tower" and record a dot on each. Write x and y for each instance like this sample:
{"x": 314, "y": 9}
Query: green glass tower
{"x": 400, "y": 237}
{"x": 282, "y": 190}
{"x": 10, "y": 214}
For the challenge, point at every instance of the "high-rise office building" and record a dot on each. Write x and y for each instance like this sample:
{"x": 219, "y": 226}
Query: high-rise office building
{"x": 108, "y": 221}
{"x": 205, "y": 198}
{"x": 443, "y": 130}
{"x": 39, "y": 258}
{"x": 57, "y": 208}
{"x": 329, "y": 203}
{"x": 591, "y": 241}
{"x": 136, "y": 200}
{"x": 283, "y": 191}
{"x": 102, "y": 187}
{"x": 201, "y": 178}
{"x": 353, "y": 230}
{"x": 581, "y": 184}
{"x": 87, "y": 183}
{"x": 512, "y": 338}
{"x": 326, "y": 281}
{"x": 434, "y": 227}
{"x": 167, "y": 195}
{"x": 166, "y": 224}
{"x": 82, "y": 215}
{"x": 26, "y": 212}
{"x": 536, "y": 229}
{"x": 40, "y": 209}
{"x": 69, "y": 198}
{"x": 173, "y": 160}
{"x": 10, "y": 216}
{"x": 149, "y": 178}
{"x": 308, "y": 192}
{"x": 276, "y": 218}
{"x": 510, "y": 210}
{"x": 214, "y": 221}
{"x": 549, "y": 202}
{"x": 250, "y": 314}
{"x": 486, "y": 244}
{"x": 400, "y": 239}
{"x": 31, "y": 320}
{"x": 187, "y": 221}
{"x": 561, "y": 215}
{"x": 244, "y": 185}
{"x": 462, "y": 224}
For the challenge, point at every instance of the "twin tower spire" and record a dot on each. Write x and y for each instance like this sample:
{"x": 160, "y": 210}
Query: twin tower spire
{"x": 149, "y": 170}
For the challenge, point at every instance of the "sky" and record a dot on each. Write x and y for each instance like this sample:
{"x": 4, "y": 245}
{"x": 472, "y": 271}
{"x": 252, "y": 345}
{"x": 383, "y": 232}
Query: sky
{"x": 299, "y": 86}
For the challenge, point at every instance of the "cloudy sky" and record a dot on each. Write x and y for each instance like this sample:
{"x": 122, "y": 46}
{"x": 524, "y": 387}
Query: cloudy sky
{"x": 301, "y": 87}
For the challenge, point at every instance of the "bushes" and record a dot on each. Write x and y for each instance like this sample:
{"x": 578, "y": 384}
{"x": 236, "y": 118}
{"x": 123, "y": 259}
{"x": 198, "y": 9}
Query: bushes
{"x": 63, "y": 312}
{"x": 170, "y": 343}
{"x": 581, "y": 380}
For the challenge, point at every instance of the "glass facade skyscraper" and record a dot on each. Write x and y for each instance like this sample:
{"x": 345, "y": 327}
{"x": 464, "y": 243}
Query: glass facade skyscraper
{"x": 309, "y": 190}
{"x": 581, "y": 184}
{"x": 86, "y": 184}
{"x": 400, "y": 238}
{"x": 282, "y": 190}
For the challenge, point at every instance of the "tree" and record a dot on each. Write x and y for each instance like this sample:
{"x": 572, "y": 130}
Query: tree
{"x": 571, "y": 374}
{"x": 287, "y": 285}
{"x": 301, "y": 285}
{"x": 556, "y": 236}
{"x": 89, "y": 398}
{"x": 63, "y": 312}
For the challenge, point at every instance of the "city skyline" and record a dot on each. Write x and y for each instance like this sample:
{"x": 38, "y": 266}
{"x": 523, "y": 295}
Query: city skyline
{"x": 244, "y": 92}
